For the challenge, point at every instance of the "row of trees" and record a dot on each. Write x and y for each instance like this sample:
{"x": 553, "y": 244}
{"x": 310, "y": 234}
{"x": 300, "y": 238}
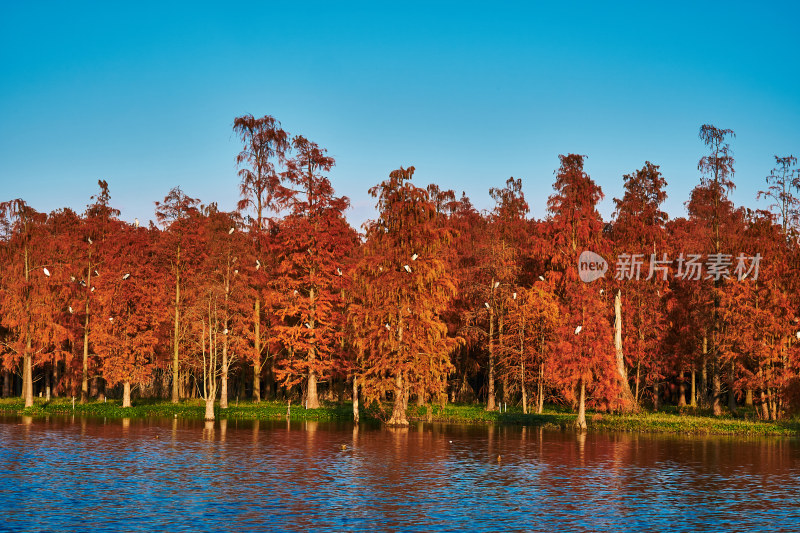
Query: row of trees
{"x": 433, "y": 302}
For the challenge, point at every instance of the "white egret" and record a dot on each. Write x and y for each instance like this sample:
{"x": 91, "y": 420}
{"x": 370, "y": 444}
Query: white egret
{"x": 295, "y": 292}
{"x": 414, "y": 257}
{"x": 338, "y": 271}
{"x": 514, "y": 295}
{"x": 496, "y": 284}
{"x": 46, "y": 272}
{"x": 602, "y": 291}
{"x": 541, "y": 278}
{"x": 236, "y": 271}
{"x": 135, "y": 222}
{"x": 231, "y": 230}
{"x": 578, "y": 329}
{"x": 387, "y": 326}
{"x": 70, "y": 309}
{"x": 83, "y": 283}
{"x": 308, "y": 325}
{"x": 408, "y": 268}
{"x": 225, "y": 331}
{"x": 797, "y": 334}
{"x": 96, "y": 273}
{"x": 72, "y": 278}
{"x": 92, "y": 289}
{"x": 258, "y": 264}
{"x": 111, "y": 319}
{"x": 126, "y": 276}
{"x": 486, "y": 304}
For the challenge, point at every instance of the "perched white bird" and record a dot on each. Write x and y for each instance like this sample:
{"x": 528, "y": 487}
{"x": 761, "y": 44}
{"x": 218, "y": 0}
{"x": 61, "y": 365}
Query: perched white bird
{"x": 135, "y": 222}
{"x": 295, "y": 292}
{"x": 92, "y": 289}
{"x": 338, "y": 271}
{"x": 96, "y": 273}
{"x": 496, "y": 284}
{"x": 72, "y": 278}
{"x": 70, "y": 309}
{"x": 541, "y": 278}
{"x": 231, "y": 230}
{"x": 797, "y": 334}
{"x": 387, "y": 326}
{"x": 236, "y": 271}
{"x": 602, "y": 291}
{"x": 486, "y": 304}
{"x": 83, "y": 283}
{"x": 46, "y": 272}
{"x": 578, "y": 329}
{"x": 514, "y": 295}
{"x": 408, "y": 268}
{"x": 111, "y": 319}
{"x": 127, "y": 275}
{"x": 225, "y": 331}
{"x": 90, "y": 240}
{"x": 258, "y": 264}
{"x": 380, "y": 269}
{"x": 414, "y": 257}
{"x": 308, "y": 325}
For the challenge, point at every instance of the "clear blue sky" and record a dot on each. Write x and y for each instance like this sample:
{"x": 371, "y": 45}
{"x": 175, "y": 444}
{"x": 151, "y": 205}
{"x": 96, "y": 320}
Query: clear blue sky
{"x": 144, "y": 94}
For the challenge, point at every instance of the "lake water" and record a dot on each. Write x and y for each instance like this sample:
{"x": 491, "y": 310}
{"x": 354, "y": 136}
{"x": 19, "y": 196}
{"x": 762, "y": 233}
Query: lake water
{"x": 65, "y": 474}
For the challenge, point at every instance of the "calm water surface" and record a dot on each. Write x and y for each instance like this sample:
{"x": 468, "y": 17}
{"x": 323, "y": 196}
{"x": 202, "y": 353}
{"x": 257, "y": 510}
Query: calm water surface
{"x": 65, "y": 474}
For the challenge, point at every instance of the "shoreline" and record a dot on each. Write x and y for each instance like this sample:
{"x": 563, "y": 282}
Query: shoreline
{"x": 668, "y": 421}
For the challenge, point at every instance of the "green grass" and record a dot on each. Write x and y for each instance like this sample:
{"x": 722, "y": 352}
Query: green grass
{"x": 670, "y": 420}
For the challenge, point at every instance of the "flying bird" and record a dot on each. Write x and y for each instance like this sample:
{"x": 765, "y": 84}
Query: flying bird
{"x": 408, "y": 268}
{"x": 231, "y": 230}
{"x": 414, "y": 257}
{"x": 46, "y": 272}
{"x": 127, "y": 275}
{"x": 578, "y": 329}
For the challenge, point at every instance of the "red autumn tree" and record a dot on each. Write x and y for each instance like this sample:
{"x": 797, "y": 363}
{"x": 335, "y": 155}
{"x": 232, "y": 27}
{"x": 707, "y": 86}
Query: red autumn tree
{"x": 401, "y": 289}
{"x": 181, "y": 251}
{"x": 585, "y": 359}
{"x": 264, "y": 152}
{"x": 314, "y": 242}
{"x": 129, "y": 308}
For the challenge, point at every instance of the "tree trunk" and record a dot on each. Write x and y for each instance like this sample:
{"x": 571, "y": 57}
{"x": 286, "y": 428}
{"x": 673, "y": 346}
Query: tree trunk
{"x": 628, "y": 400}
{"x": 27, "y": 378}
{"x": 682, "y": 389}
{"x": 716, "y": 391}
{"x": 313, "y": 398}
{"x": 223, "y": 392}
{"x": 731, "y": 392}
{"x": 209, "y": 407}
{"x": 126, "y": 394}
{"x": 580, "y": 422}
{"x": 704, "y": 374}
{"x": 748, "y": 399}
{"x": 6, "y": 384}
{"x": 490, "y": 403}
{"x": 355, "y": 399}
{"x": 257, "y": 355}
{"x": 398, "y": 411}
{"x": 693, "y": 399}
{"x": 656, "y": 396}
{"x": 540, "y": 391}
{"x": 524, "y": 392}
{"x": 176, "y": 340}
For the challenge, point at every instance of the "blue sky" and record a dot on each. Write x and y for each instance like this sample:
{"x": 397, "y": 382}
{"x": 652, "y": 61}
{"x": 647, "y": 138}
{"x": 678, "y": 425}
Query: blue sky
{"x": 144, "y": 95}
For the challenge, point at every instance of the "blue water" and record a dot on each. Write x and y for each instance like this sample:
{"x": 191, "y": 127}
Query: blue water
{"x": 65, "y": 474}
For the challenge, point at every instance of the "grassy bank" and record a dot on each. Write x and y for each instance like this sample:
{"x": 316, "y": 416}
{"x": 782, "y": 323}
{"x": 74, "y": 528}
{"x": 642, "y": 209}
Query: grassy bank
{"x": 668, "y": 421}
